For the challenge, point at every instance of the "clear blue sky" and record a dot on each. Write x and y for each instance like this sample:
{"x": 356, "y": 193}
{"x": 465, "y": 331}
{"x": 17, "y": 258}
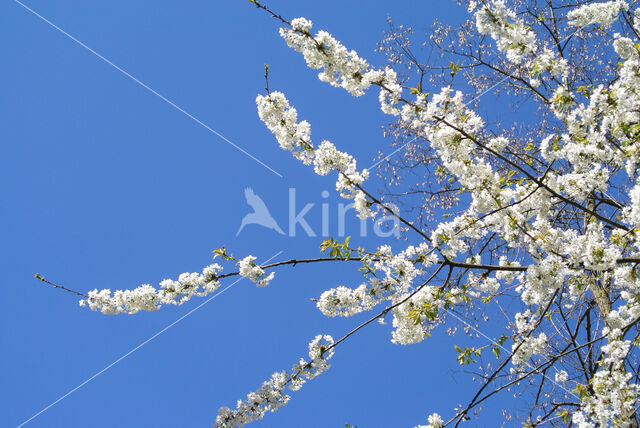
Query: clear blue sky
{"x": 105, "y": 185}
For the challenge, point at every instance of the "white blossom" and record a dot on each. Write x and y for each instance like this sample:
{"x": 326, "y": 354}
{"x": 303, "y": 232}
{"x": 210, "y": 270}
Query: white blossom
{"x": 510, "y": 33}
{"x": 281, "y": 119}
{"x": 340, "y": 67}
{"x": 249, "y": 269}
{"x": 527, "y": 348}
{"x": 148, "y": 298}
{"x": 435, "y": 421}
{"x": 561, "y": 376}
{"x": 271, "y": 396}
{"x": 596, "y": 13}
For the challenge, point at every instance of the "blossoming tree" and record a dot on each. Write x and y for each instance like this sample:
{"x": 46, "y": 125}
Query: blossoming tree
{"x": 540, "y": 218}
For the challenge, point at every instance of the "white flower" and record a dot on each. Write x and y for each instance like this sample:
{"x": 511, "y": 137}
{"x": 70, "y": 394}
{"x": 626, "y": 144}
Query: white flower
{"x": 528, "y": 347}
{"x": 596, "y": 13}
{"x": 614, "y": 393}
{"x": 561, "y": 376}
{"x": 343, "y": 301}
{"x": 339, "y": 66}
{"x": 390, "y": 93}
{"x": 281, "y": 119}
{"x": 435, "y": 421}
{"x": 581, "y": 421}
{"x": 271, "y": 396}
{"x": 249, "y": 269}
{"x": 148, "y": 298}
{"x": 510, "y": 33}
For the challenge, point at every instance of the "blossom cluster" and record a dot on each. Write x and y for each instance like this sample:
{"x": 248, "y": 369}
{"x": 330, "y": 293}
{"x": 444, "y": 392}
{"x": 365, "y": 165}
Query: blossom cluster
{"x": 435, "y": 421}
{"x": 171, "y": 292}
{"x": 148, "y": 298}
{"x": 271, "y": 395}
{"x": 604, "y": 13}
{"x": 518, "y": 41}
{"x": 615, "y": 395}
{"x": 249, "y": 269}
{"x": 524, "y": 349}
{"x": 510, "y": 32}
{"x": 395, "y": 275}
{"x": 281, "y": 119}
{"x": 340, "y": 67}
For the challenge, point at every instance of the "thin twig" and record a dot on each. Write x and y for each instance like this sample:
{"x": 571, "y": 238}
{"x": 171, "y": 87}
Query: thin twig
{"x": 41, "y": 278}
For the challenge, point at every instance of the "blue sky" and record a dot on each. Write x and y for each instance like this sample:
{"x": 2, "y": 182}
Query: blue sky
{"x": 106, "y": 185}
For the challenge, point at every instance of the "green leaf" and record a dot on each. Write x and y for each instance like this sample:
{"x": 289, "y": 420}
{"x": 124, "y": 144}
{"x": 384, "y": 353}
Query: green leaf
{"x": 496, "y": 351}
{"x": 565, "y": 415}
{"x": 454, "y": 68}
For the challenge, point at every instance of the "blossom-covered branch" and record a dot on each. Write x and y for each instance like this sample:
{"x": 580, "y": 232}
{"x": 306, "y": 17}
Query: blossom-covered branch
{"x": 538, "y": 219}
